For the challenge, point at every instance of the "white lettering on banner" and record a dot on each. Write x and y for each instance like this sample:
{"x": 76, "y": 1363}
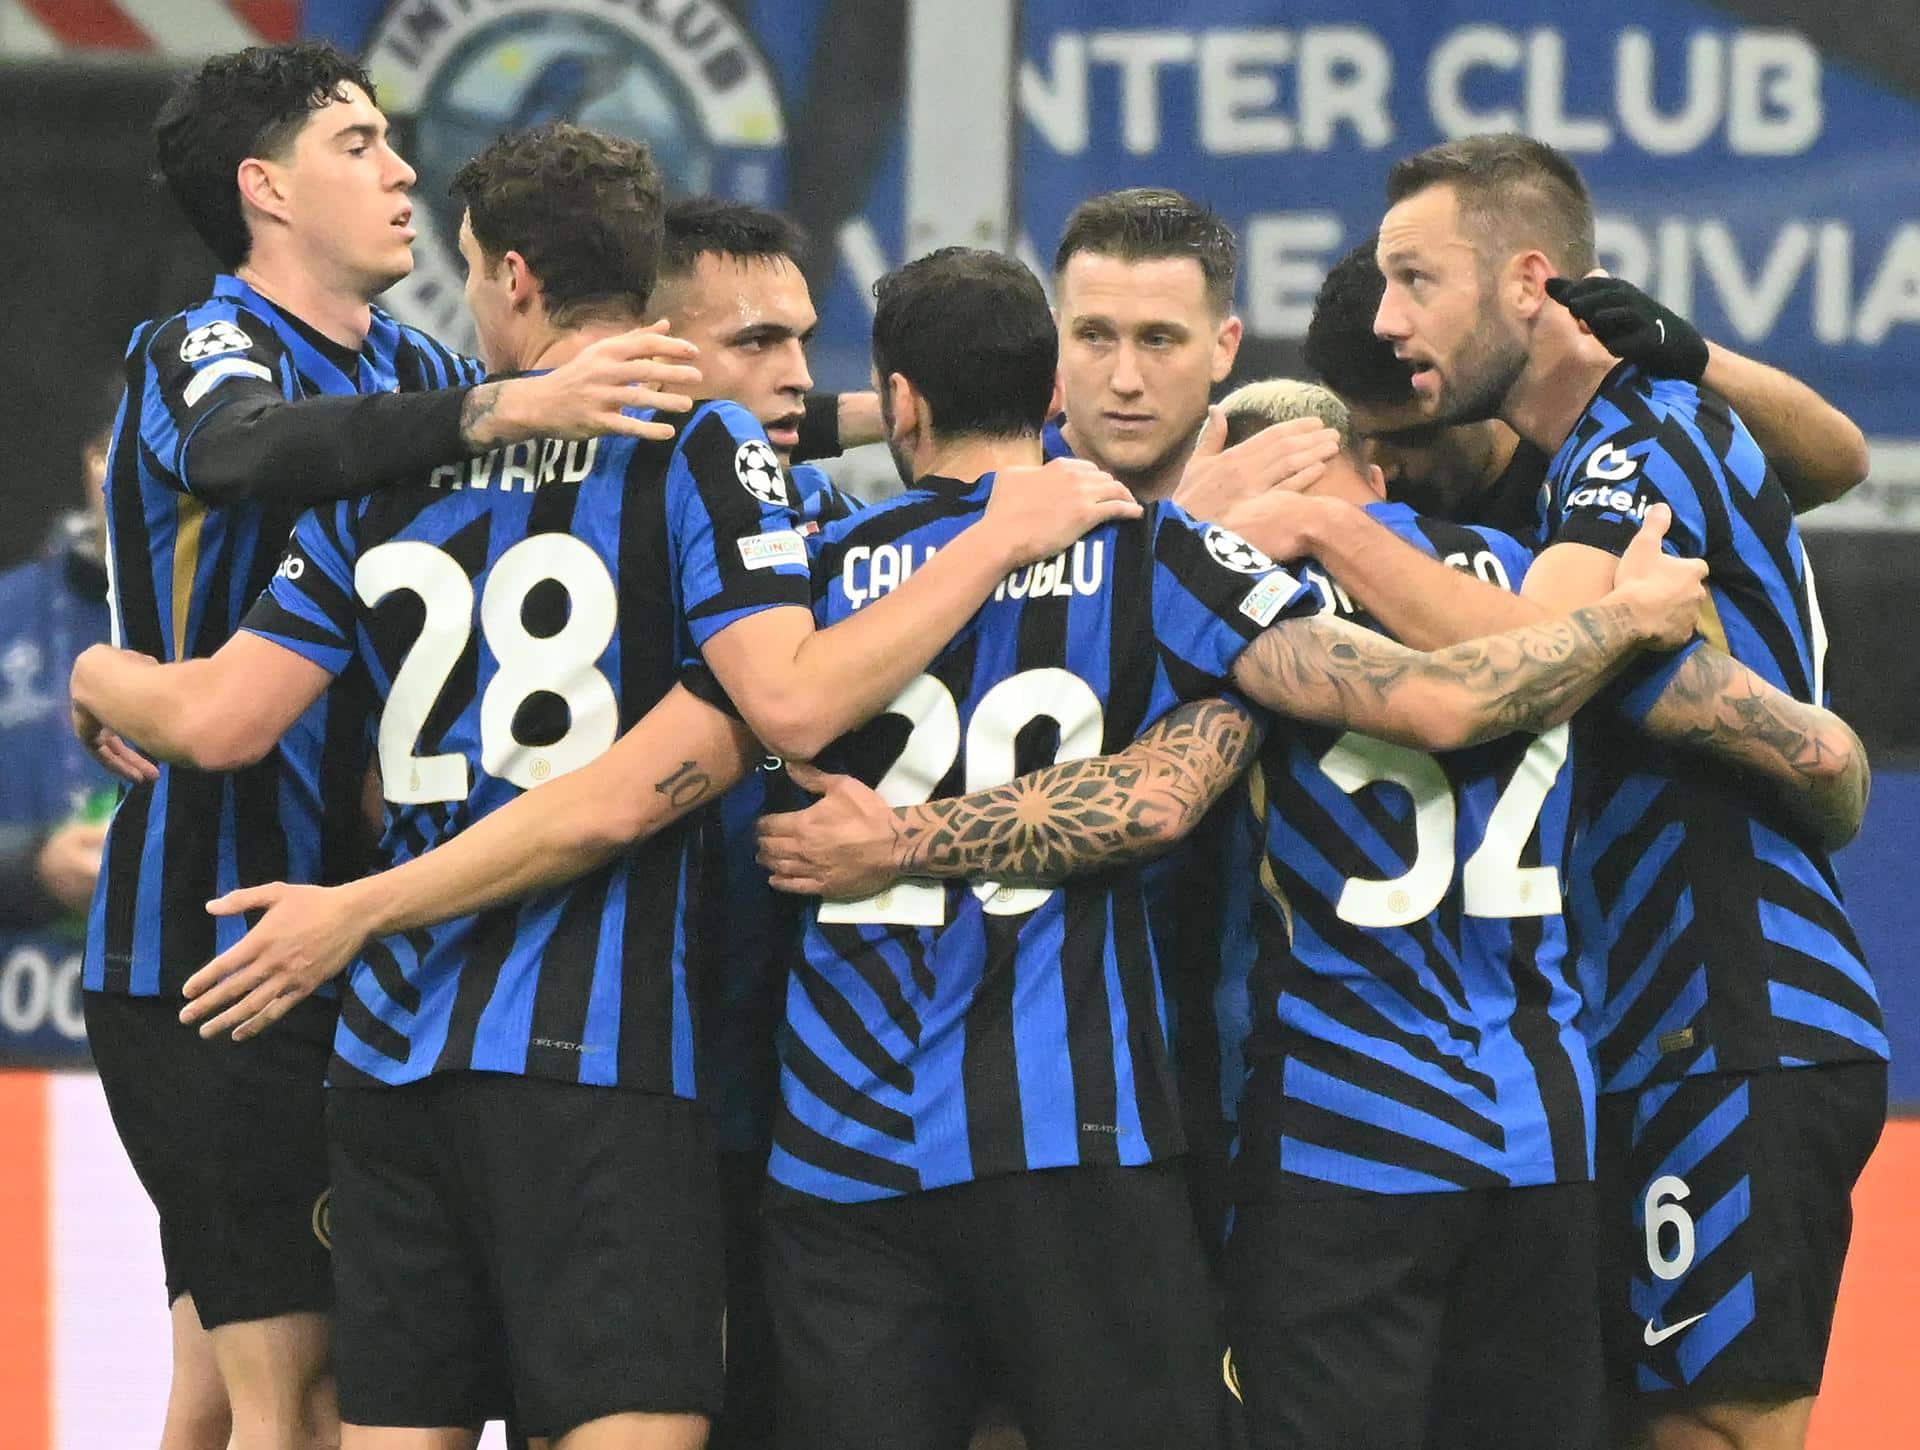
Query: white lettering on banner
{"x": 1634, "y": 97}
{"x": 1139, "y": 54}
{"x": 1288, "y": 255}
{"x": 1672, "y": 257}
{"x": 1763, "y": 86}
{"x": 1342, "y": 78}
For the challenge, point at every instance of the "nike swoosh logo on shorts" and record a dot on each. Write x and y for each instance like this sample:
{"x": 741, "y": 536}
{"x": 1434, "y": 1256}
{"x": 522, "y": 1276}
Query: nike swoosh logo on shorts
{"x": 1654, "y": 1336}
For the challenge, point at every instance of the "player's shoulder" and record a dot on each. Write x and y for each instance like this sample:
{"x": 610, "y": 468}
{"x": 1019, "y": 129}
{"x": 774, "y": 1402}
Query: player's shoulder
{"x": 220, "y": 325}
{"x": 817, "y": 498}
{"x": 404, "y": 338}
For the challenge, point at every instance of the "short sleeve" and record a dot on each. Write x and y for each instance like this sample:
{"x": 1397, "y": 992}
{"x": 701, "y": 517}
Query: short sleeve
{"x": 1514, "y": 557}
{"x": 1213, "y": 593}
{"x": 197, "y": 363}
{"x": 735, "y": 532}
{"x": 310, "y": 607}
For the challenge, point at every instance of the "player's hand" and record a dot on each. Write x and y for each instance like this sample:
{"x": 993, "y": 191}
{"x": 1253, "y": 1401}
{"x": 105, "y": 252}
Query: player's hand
{"x": 586, "y": 396}
{"x": 308, "y": 935}
{"x": 1632, "y": 325}
{"x": 1279, "y": 523}
{"x": 1289, "y": 455}
{"x": 844, "y": 845}
{"x": 1034, "y": 512}
{"x": 106, "y": 746}
{"x": 69, "y": 863}
{"x": 1666, "y": 593}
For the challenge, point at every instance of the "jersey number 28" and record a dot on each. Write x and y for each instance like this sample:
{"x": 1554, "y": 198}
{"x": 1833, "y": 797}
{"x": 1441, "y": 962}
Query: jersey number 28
{"x": 564, "y": 664}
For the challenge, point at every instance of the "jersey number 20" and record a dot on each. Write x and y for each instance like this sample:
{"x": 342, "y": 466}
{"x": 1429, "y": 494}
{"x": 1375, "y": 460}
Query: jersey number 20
{"x": 1003, "y": 712}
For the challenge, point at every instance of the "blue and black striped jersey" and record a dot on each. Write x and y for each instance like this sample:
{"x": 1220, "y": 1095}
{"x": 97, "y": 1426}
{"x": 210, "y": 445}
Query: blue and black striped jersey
{"x": 1415, "y": 1002}
{"x": 940, "y": 1033}
{"x": 183, "y": 573}
{"x": 515, "y": 615}
{"x": 755, "y": 930}
{"x": 1712, "y": 938}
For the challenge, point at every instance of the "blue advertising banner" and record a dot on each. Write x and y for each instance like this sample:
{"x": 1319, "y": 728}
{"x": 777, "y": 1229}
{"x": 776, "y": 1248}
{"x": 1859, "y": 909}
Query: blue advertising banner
{"x": 1766, "y": 190}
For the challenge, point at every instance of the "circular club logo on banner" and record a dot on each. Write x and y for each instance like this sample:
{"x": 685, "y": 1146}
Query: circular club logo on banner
{"x": 687, "y": 79}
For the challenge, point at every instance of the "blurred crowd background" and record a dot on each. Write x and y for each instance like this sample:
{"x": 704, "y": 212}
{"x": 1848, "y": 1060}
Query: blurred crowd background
{"x": 1756, "y": 164}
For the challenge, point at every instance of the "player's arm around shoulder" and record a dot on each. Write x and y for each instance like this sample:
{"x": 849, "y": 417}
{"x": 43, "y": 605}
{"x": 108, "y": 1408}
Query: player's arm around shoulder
{"x": 678, "y": 756}
{"x": 800, "y": 689}
{"x": 1335, "y": 673}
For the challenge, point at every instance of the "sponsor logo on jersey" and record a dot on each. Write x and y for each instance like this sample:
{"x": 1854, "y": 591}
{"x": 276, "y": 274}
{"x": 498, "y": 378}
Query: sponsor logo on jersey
{"x": 1610, "y": 464}
{"x": 1614, "y": 500}
{"x": 1228, "y": 548}
{"x": 210, "y": 339}
{"x": 686, "y": 78}
{"x": 757, "y": 467}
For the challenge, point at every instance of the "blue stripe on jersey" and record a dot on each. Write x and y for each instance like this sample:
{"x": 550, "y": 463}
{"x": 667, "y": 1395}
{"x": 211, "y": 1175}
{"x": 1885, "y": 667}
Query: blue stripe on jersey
{"x": 1703, "y": 925}
{"x": 182, "y": 574}
{"x": 515, "y": 615}
{"x": 1415, "y": 1025}
{"x": 941, "y": 1033}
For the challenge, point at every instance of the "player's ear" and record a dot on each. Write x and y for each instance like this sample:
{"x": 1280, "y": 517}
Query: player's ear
{"x": 1226, "y": 347}
{"x": 261, "y": 188}
{"x": 904, "y": 406}
{"x": 1376, "y": 478}
{"x": 1526, "y": 282}
{"x": 523, "y": 288}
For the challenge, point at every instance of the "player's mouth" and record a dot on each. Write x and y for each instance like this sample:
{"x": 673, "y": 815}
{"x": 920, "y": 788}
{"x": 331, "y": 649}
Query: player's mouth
{"x": 784, "y": 432}
{"x": 1424, "y": 376}
{"x": 403, "y": 223}
{"x": 1128, "y": 423}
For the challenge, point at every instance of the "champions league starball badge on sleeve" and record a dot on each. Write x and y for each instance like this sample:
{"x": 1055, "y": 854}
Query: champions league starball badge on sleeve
{"x": 684, "y": 77}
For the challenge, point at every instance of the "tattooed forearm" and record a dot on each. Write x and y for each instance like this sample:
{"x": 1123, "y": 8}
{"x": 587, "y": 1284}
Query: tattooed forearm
{"x": 1531, "y": 678}
{"x": 1084, "y": 815}
{"x": 476, "y": 414}
{"x": 686, "y": 786}
{"x": 1809, "y": 756}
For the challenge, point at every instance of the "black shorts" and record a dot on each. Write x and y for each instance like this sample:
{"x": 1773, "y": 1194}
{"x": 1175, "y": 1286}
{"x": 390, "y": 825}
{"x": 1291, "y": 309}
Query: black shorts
{"x": 513, "y": 1242}
{"x": 1083, "y": 1288}
{"x": 746, "y": 1415}
{"x": 1453, "y": 1321}
{"x": 1726, "y": 1204}
{"x": 229, "y": 1140}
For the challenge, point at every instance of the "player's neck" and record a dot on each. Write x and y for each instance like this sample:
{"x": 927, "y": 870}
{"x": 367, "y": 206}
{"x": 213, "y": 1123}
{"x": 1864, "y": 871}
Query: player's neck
{"x": 551, "y": 347}
{"x": 1150, "y": 485}
{"x": 970, "y": 456}
{"x": 339, "y": 314}
{"x": 1564, "y": 370}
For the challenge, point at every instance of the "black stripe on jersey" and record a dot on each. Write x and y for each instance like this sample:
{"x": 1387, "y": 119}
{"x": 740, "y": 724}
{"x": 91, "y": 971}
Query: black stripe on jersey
{"x": 1538, "y": 1037}
{"x": 1316, "y": 1125}
{"x": 126, "y": 841}
{"x": 825, "y": 1084}
{"x": 846, "y": 1026}
{"x": 490, "y": 942}
{"x": 646, "y": 995}
{"x": 1353, "y": 1013}
{"x": 357, "y": 1019}
{"x": 822, "y": 1152}
{"x": 190, "y": 839}
{"x": 346, "y": 838}
{"x": 647, "y": 656}
{"x": 1129, "y": 688}
{"x": 391, "y": 978}
{"x": 1154, "y": 1093}
{"x": 565, "y": 983}
{"x": 1096, "y": 1088}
